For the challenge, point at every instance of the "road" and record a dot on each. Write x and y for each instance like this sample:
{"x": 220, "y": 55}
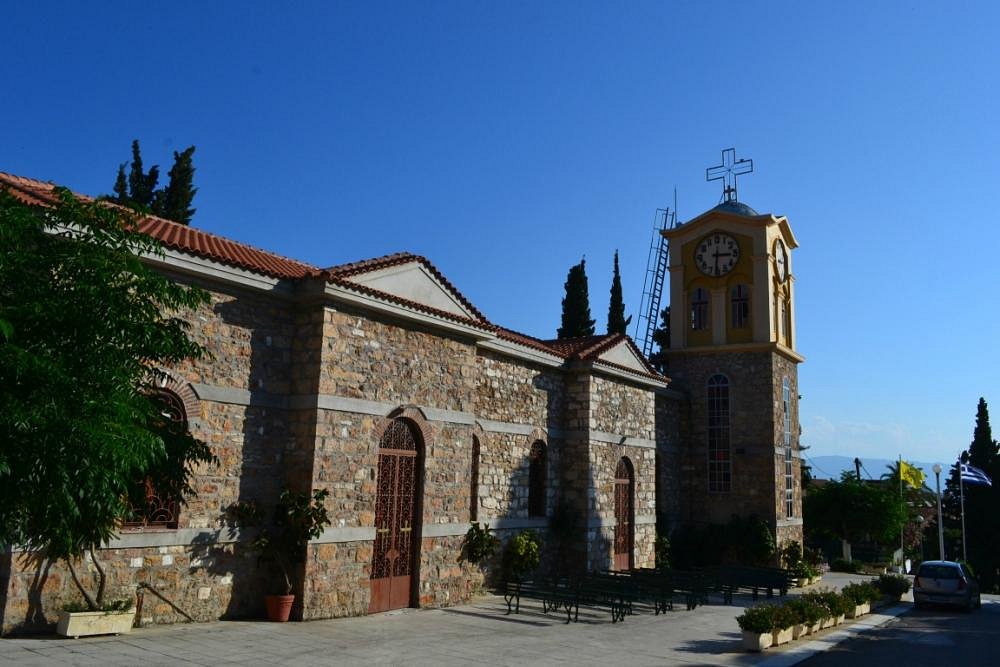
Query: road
{"x": 935, "y": 638}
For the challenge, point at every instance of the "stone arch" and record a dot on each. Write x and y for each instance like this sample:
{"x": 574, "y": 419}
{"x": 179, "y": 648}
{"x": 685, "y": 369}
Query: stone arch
{"x": 411, "y": 412}
{"x": 169, "y": 381}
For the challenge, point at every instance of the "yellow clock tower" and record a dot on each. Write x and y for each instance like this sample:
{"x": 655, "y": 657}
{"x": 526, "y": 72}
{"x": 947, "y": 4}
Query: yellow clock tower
{"x": 733, "y": 352}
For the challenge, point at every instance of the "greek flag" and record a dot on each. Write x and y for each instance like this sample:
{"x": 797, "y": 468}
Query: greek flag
{"x": 973, "y": 475}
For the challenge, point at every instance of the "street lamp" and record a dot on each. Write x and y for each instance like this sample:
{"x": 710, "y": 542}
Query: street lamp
{"x": 937, "y": 478}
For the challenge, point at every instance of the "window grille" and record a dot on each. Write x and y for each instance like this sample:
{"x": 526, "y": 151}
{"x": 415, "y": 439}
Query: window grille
{"x": 474, "y": 483}
{"x": 537, "y": 471}
{"x": 719, "y": 455}
{"x": 148, "y": 507}
{"x": 786, "y": 399}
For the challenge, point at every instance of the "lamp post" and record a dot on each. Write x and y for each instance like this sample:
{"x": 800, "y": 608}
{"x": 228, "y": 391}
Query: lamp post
{"x": 920, "y": 534}
{"x": 937, "y": 478}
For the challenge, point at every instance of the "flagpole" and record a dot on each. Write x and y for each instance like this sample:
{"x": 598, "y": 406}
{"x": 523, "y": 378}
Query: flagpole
{"x": 902, "y": 530}
{"x": 961, "y": 494}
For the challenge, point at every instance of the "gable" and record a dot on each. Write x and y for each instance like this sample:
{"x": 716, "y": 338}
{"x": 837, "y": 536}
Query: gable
{"x": 622, "y": 354}
{"x": 413, "y": 281}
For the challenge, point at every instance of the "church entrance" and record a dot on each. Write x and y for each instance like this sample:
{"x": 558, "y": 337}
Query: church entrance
{"x": 624, "y": 529}
{"x": 396, "y": 546}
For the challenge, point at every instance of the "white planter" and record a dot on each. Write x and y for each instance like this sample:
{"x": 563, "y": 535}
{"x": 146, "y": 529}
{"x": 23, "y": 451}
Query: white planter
{"x": 837, "y": 620}
{"x": 756, "y": 642}
{"x": 813, "y": 580}
{"x": 860, "y": 610}
{"x": 799, "y": 630}
{"x": 802, "y": 582}
{"x": 815, "y": 627}
{"x": 782, "y": 636}
{"x": 827, "y": 622}
{"x": 85, "y": 623}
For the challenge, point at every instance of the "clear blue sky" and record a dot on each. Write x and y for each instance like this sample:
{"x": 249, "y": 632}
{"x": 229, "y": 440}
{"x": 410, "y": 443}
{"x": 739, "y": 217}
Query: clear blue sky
{"x": 505, "y": 140}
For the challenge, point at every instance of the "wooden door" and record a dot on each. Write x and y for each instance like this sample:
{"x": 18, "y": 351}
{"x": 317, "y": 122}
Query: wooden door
{"x": 624, "y": 528}
{"x": 394, "y": 552}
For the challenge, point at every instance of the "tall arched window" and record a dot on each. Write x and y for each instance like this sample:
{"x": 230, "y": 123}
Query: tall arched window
{"x": 719, "y": 456}
{"x": 699, "y": 309}
{"x": 786, "y": 402}
{"x": 149, "y": 506}
{"x": 474, "y": 482}
{"x": 537, "y": 472}
{"x": 739, "y": 302}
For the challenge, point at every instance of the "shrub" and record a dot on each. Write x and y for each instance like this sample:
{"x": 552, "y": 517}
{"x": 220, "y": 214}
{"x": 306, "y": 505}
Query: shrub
{"x": 661, "y": 548}
{"x": 785, "y": 616}
{"x": 835, "y": 603}
{"x": 819, "y": 601}
{"x": 758, "y": 619}
{"x": 479, "y": 544}
{"x": 861, "y": 593}
{"x": 892, "y": 585}
{"x": 522, "y": 555}
{"x": 806, "y": 610}
{"x": 791, "y": 555}
{"x": 841, "y": 565}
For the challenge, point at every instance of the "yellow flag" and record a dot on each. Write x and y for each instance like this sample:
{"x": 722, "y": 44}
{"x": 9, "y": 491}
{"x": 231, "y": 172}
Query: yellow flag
{"x": 911, "y": 474}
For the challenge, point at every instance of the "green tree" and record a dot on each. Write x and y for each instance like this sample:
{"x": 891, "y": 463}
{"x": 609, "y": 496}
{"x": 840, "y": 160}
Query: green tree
{"x": 617, "y": 323}
{"x": 141, "y": 185}
{"x": 661, "y": 336}
{"x": 86, "y": 325}
{"x": 983, "y": 450}
{"x": 854, "y": 510}
{"x": 121, "y": 187}
{"x": 175, "y": 201}
{"x": 576, "y": 320}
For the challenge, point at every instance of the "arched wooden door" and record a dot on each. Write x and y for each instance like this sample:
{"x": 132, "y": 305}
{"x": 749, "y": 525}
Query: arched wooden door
{"x": 396, "y": 547}
{"x": 624, "y": 515}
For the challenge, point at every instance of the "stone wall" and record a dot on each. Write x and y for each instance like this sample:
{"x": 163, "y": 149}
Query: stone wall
{"x": 669, "y": 410}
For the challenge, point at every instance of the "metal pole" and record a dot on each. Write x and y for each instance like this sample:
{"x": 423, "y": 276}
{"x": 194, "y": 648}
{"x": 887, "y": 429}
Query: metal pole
{"x": 937, "y": 478}
{"x": 961, "y": 489}
{"x": 902, "y": 530}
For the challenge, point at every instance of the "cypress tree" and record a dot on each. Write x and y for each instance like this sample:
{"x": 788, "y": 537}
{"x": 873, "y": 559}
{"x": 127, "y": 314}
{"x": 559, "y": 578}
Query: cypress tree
{"x": 141, "y": 185}
{"x": 616, "y": 307}
{"x": 175, "y": 202}
{"x": 121, "y": 186}
{"x": 576, "y": 320}
{"x": 983, "y": 450}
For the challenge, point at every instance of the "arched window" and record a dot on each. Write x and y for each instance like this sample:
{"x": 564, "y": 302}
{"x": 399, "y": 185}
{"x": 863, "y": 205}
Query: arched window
{"x": 474, "y": 482}
{"x": 148, "y": 506}
{"x": 537, "y": 472}
{"x": 719, "y": 456}
{"x": 786, "y": 403}
{"x": 739, "y": 301}
{"x": 699, "y": 309}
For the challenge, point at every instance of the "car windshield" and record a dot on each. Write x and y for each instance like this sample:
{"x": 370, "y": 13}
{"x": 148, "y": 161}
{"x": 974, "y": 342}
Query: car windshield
{"x": 939, "y": 571}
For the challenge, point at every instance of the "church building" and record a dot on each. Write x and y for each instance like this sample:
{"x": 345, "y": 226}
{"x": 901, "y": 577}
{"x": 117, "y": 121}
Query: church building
{"x": 380, "y": 382}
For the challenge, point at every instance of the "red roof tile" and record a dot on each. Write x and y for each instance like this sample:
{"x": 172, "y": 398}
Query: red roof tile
{"x": 175, "y": 236}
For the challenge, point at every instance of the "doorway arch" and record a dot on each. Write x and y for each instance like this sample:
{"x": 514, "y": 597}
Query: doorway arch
{"x": 624, "y": 515}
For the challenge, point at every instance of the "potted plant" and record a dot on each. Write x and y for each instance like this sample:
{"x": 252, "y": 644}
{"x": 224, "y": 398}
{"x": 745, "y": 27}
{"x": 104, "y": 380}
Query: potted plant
{"x": 784, "y": 621}
{"x": 807, "y": 615}
{"x": 822, "y": 600}
{"x": 480, "y": 544}
{"x": 860, "y": 595}
{"x": 522, "y": 555}
{"x": 297, "y": 518}
{"x": 757, "y": 624}
{"x": 892, "y": 586}
{"x": 111, "y": 618}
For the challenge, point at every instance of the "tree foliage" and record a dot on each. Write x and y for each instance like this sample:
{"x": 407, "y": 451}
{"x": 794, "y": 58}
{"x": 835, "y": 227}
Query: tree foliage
{"x": 576, "y": 320}
{"x": 661, "y": 336}
{"x": 139, "y": 190}
{"x": 86, "y": 326}
{"x": 854, "y": 510}
{"x": 617, "y": 322}
{"x": 982, "y": 505}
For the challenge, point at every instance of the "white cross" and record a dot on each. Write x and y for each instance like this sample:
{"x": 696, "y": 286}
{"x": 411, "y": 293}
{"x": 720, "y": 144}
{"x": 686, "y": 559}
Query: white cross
{"x": 728, "y": 171}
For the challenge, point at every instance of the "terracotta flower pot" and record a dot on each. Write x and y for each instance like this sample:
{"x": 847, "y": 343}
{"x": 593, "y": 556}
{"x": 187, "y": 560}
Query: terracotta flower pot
{"x": 279, "y": 607}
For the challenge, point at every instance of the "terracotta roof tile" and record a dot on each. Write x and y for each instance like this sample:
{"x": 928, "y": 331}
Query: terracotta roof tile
{"x": 175, "y": 236}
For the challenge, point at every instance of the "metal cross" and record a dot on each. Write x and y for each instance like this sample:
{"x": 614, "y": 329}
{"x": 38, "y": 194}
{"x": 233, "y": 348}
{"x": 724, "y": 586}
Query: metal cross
{"x": 728, "y": 171}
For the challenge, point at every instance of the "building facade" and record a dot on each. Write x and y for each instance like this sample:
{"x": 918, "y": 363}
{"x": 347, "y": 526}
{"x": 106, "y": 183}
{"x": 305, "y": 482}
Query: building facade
{"x": 380, "y": 382}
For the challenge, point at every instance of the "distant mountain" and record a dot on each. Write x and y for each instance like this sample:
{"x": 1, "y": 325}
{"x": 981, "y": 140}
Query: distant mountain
{"x": 830, "y": 467}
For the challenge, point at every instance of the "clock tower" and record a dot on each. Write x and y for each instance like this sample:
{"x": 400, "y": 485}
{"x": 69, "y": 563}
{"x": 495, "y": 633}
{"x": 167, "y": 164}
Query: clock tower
{"x": 733, "y": 352}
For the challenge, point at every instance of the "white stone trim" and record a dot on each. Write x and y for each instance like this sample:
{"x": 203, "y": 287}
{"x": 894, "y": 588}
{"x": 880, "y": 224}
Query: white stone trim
{"x": 177, "y": 260}
{"x": 624, "y": 440}
{"x": 183, "y": 537}
{"x": 492, "y": 426}
{"x": 611, "y": 522}
{"x": 784, "y": 523}
{"x": 512, "y": 349}
{"x": 342, "y": 294}
{"x": 339, "y": 534}
{"x": 634, "y": 378}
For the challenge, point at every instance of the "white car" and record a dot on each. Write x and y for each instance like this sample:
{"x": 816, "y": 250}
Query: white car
{"x": 945, "y": 582}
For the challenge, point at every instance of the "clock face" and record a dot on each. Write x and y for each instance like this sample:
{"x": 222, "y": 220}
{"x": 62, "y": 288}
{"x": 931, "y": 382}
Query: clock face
{"x": 781, "y": 260}
{"x": 716, "y": 254}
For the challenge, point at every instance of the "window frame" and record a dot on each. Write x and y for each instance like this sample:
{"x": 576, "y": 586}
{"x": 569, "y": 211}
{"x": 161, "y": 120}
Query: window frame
{"x": 719, "y": 446}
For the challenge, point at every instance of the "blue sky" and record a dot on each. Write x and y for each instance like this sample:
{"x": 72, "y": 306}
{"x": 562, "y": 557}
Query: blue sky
{"x": 506, "y": 140}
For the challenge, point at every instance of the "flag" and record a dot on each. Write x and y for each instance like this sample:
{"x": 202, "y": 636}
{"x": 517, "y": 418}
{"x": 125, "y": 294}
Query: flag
{"x": 973, "y": 475}
{"x": 911, "y": 474}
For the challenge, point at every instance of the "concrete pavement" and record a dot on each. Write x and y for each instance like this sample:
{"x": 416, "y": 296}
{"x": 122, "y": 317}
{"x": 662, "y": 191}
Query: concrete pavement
{"x": 474, "y": 634}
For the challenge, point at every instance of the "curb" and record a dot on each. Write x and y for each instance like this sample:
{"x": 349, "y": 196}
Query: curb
{"x": 797, "y": 654}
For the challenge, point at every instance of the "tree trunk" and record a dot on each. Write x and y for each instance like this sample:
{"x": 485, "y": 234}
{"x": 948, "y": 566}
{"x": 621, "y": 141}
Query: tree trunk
{"x": 91, "y": 603}
{"x": 102, "y": 579}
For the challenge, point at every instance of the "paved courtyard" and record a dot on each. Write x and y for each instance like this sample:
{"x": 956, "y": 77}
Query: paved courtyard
{"x": 475, "y": 634}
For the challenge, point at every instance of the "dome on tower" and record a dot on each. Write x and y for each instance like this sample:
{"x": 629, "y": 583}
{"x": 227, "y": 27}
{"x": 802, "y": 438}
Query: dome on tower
{"x": 737, "y": 207}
